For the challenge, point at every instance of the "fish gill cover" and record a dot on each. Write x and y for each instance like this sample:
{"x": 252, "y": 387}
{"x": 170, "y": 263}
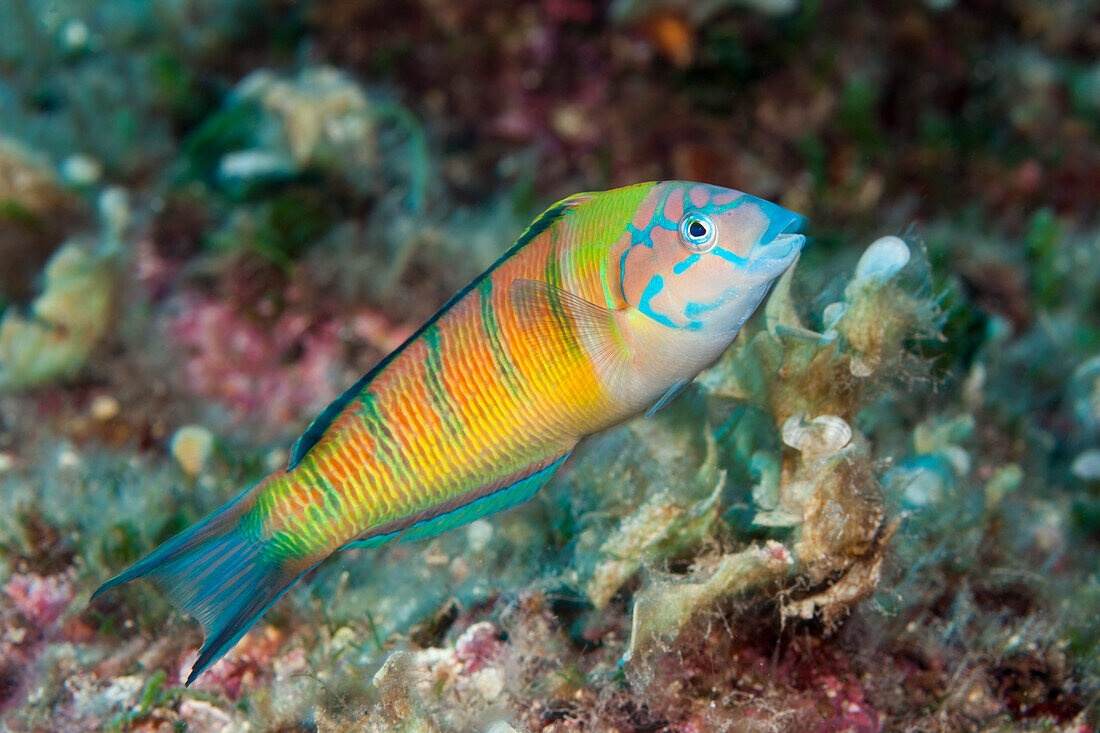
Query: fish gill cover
{"x": 878, "y": 510}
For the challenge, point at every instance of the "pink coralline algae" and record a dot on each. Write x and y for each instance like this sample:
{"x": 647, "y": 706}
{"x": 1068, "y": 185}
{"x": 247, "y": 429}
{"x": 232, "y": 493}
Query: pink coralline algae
{"x": 30, "y": 607}
{"x": 239, "y": 669}
{"x": 479, "y": 647}
{"x": 850, "y": 711}
{"x": 42, "y": 599}
{"x": 820, "y": 677}
{"x": 283, "y": 368}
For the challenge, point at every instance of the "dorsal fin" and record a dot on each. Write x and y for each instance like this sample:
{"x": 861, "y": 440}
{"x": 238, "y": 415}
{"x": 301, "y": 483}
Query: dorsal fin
{"x": 545, "y": 219}
{"x": 324, "y": 420}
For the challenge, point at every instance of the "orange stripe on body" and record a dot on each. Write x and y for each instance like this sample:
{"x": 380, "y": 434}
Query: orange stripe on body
{"x": 490, "y": 431}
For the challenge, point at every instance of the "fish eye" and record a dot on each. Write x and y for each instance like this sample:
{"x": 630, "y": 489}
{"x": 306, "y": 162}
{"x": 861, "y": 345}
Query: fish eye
{"x": 697, "y": 232}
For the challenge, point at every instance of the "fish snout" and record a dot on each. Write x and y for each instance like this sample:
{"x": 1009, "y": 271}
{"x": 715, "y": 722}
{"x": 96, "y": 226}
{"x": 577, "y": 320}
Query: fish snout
{"x": 781, "y": 243}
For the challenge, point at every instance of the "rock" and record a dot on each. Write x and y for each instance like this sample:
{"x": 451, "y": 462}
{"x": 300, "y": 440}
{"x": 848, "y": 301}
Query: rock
{"x": 479, "y": 534}
{"x": 104, "y": 408}
{"x": 42, "y": 599}
{"x": 201, "y": 715}
{"x": 55, "y": 336}
{"x": 662, "y": 610}
{"x": 660, "y": 527}
{"x": 500, "y": 727}
{"x": 319, "y": 120}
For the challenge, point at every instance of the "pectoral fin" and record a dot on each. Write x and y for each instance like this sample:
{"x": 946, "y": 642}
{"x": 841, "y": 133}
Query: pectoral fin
{"x": 673, "y": 392}
{"x": 569, "y": 322}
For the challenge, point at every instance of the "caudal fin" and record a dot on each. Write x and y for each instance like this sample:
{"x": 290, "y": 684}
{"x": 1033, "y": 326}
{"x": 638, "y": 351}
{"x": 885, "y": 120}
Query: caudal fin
{"x": 215, "y": 572}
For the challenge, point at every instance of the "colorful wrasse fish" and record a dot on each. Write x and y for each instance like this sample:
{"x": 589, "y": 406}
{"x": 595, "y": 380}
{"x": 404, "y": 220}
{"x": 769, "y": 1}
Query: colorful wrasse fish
{"x": 607, "y": 306}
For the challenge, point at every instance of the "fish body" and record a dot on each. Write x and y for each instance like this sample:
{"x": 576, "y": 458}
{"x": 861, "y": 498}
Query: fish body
{"x": 608, "y": 305}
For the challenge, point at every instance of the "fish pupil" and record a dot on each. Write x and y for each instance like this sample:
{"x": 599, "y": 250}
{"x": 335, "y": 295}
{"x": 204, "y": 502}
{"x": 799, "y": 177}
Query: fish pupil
{"x": 697, "y": 229}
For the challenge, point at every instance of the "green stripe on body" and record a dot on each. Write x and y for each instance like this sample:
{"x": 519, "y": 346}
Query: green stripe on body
{"x": 467, "y": 506}
{"x": 434, "y": 383}
{"x": 387, "y": 453}
{"x": 491, "y": 327}
{"x": 563, "y": 325}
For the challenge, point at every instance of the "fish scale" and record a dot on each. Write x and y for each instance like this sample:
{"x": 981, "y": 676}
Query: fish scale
{"x": 600, "y": 311}
{"x": 438, "y": 449}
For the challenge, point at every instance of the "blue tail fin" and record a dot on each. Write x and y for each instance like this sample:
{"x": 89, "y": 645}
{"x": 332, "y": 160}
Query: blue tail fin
{"x": 216, "y": 573}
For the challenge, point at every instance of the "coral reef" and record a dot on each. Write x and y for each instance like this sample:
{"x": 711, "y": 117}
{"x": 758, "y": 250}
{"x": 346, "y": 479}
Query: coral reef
{"x": 879, "y": 510}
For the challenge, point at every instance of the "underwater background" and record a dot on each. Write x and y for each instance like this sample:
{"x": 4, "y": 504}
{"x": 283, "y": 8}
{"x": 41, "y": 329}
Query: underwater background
{"x": 880, "y": 510}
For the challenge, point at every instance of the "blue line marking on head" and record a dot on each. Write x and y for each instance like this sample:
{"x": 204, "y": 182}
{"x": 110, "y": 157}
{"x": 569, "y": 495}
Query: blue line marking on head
{"x": 681, "y": 267}
{"x": 691, "y": 310}
{"x": 639, "y": 236}
{"x": 725, "y": 254}
{"x": 655, "y": 285}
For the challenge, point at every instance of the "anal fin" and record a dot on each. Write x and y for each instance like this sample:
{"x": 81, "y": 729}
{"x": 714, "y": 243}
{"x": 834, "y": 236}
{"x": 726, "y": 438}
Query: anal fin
{"x": 502, "y": 494}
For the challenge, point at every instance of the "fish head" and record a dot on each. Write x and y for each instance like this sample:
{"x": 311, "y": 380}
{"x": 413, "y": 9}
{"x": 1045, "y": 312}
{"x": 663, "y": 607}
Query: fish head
{"x": 702, "y": 258}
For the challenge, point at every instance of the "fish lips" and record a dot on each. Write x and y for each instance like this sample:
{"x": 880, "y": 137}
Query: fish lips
{"x": 780, "y": 246}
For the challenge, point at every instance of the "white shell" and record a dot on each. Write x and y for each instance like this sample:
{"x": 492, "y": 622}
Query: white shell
{"x": 824, "y": 435}
{"x": 81, "y": 170}
{"x": 958, "y": 458}
{"x": 1087, "y": 465}
{"x": 881, "y": 261}
{"x": 253, "y": 164}
{"x": 191, "y": 447}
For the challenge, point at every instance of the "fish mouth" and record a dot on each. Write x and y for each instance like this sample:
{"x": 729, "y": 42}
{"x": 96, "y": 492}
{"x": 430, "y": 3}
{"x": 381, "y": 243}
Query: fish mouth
{"x": 786, "y": 240}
